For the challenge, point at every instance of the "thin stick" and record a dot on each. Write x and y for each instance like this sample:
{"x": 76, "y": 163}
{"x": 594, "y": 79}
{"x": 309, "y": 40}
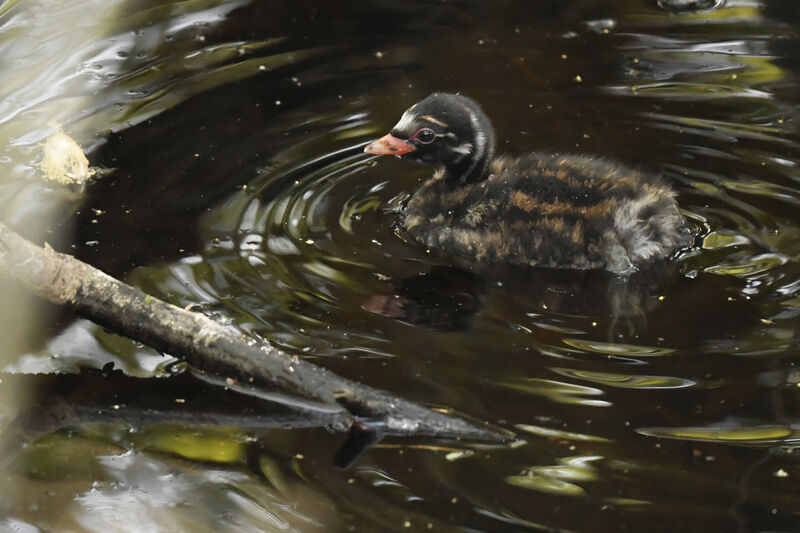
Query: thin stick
{"x": 220, "y": 353}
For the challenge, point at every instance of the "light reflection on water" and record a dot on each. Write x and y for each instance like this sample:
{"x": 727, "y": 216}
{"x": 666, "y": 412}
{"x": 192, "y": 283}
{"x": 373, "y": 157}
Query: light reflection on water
{"x": 248, "y": 197}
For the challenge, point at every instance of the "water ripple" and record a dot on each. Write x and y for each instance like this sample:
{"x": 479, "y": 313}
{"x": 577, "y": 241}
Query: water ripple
{"x": 626, "y": 381}
{"x": 742, "y": 433}
{"x": 616, "y": 349}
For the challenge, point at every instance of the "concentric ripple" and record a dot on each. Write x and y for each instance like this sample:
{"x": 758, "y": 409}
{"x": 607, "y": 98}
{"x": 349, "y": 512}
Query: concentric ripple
{"x": 306, "y": 240}
{"x": 673, "y": 388}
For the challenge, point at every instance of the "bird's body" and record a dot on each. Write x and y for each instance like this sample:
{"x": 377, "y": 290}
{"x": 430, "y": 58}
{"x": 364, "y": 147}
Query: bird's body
{"x": 538, "y": 209}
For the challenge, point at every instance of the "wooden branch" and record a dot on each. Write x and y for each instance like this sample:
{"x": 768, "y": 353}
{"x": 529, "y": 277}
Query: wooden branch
{"x": 221, "y": 354}
{"x": 109, "y": 396}
{"x": 57, "y": 401}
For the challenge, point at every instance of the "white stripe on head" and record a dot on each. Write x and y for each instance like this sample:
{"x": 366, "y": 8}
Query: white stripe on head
{"x": 480, "y": 135}
{"x": 463, "y": 149}
{"x": 480, "y": 141}
{"x": 434, "y": 120}
{"x": 405, "y": 121}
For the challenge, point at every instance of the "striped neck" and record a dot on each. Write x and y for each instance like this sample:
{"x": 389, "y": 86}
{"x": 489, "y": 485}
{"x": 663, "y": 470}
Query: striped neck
{"x": 474, "y": 165}
{"x": 470, "y": 170}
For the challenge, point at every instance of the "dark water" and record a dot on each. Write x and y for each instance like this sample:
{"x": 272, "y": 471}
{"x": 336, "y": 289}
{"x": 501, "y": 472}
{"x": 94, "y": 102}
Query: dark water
{"x": 670, "y": 402}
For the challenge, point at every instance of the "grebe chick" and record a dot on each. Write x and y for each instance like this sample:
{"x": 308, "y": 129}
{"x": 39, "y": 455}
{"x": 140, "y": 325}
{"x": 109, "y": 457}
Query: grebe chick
{"x": 537, "y": 209}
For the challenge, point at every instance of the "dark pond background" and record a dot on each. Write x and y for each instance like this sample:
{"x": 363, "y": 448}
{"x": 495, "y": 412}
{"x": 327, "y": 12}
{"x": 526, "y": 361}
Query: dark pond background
{"x": 670, "y": 402}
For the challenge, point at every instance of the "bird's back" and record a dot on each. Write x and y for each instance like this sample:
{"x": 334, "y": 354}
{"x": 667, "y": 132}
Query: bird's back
{"x": 551, "y": 210}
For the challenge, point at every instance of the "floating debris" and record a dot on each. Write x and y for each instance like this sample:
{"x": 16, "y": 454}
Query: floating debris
{"x": 603, "y": 26}
{"x": 64, "y": 161}
{"x": 689, "y": 6}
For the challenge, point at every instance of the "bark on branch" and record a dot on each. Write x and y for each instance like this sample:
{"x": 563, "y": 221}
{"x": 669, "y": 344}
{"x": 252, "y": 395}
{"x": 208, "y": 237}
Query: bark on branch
{"x": 220, "y": 353}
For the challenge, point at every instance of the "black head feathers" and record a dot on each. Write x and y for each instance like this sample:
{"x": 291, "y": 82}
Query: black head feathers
{"x": 447, "y": 129}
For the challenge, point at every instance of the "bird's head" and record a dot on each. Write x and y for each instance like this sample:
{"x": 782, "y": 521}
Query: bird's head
{"x": 446, "y": 129}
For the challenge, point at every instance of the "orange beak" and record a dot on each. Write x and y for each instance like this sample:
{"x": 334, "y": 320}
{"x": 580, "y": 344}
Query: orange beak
{"x": 389, "y": 145}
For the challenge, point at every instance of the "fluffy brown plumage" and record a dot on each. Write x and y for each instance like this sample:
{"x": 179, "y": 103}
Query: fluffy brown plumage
{"x": 539, "y": 209}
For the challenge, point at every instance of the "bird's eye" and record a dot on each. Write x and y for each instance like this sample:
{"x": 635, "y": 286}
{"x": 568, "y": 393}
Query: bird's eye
{"x": 425, "y": 136}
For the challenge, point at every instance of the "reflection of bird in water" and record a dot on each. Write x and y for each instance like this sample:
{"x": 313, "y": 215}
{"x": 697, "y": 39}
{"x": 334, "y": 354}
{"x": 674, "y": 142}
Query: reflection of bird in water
{"x": 538, "y": 209}
{"x": 447, "y": 298}
{"x": 650, "y": 303}
{"x": 443, "y": 299}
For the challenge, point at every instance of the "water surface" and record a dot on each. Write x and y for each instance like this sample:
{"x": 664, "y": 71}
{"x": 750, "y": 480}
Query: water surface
{"x": 664, "y": 403}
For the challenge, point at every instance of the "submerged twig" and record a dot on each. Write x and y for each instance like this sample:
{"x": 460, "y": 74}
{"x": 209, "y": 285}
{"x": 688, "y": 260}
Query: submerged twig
{"x": 109, "y": 396}
{"x": 219, "y": 352}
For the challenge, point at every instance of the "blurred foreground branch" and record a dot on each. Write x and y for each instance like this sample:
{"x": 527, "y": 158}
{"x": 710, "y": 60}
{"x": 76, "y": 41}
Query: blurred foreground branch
{"x": 222, "y": 355}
